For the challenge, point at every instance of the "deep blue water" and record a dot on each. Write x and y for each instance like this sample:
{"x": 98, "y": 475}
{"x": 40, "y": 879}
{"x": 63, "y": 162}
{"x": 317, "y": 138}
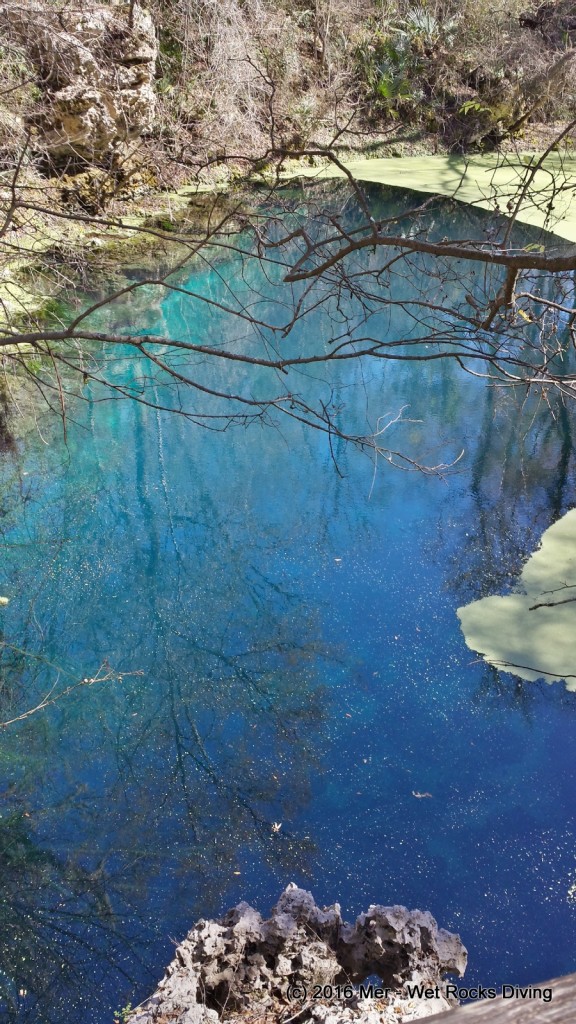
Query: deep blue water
{"x": 301, "y": 662}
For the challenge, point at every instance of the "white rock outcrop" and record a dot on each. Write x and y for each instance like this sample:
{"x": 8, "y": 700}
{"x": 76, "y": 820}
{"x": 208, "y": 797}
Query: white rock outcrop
{"x": 229, "y": 968}
{"x": 96, "y": 71}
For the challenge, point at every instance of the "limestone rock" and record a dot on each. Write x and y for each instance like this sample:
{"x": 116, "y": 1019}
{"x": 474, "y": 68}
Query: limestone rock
{"x": 98, "y": 73}
{"x": 394, "y": 942}
{"x": 226, "y": 968}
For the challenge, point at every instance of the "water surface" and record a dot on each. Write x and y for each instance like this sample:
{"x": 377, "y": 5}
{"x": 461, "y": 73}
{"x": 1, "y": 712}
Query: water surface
{"x": 299, "y": 659}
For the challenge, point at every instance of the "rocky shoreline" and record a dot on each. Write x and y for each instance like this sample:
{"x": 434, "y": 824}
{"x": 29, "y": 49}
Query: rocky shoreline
{"x": 305, "y": 963}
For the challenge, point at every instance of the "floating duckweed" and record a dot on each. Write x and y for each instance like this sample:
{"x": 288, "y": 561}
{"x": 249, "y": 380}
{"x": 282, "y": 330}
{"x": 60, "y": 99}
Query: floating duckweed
{"x": 532, "y": 633}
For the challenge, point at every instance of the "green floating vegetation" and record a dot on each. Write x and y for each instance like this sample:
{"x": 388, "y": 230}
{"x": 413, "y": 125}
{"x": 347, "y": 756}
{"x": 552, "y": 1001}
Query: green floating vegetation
{"x": 491, "y": 181}
{"x": 533, "y": 633}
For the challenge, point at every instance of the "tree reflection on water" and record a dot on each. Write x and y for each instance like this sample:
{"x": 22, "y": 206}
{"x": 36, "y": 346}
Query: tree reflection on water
{"x": 158, "y": 790}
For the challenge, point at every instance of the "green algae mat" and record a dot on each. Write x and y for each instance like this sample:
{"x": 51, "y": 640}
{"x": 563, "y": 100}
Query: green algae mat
{"x": 491, "y": 182}
{"x": 532, "y": 632}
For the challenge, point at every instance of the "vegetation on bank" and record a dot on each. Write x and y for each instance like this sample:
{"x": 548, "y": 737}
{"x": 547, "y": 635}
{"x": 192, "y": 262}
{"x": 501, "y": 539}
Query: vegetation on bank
{"x": 452, "y": 74}
{"x": 239, "y": 78}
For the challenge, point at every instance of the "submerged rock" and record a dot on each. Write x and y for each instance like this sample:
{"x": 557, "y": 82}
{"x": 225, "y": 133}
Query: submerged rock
{"x": 306, "y": 960}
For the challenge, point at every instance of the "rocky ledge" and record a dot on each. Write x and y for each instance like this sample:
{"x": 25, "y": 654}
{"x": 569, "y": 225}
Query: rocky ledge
{"x": 306, "y": 963}
{"x": 96, "y": 66}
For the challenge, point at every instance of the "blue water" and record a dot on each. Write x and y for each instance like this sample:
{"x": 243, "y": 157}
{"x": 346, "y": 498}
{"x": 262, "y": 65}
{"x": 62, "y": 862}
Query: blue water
{"x": 292, "y": 612}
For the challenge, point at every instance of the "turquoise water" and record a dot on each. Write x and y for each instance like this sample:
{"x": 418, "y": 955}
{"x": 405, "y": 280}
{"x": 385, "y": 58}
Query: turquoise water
{"x": 284, "y": 617}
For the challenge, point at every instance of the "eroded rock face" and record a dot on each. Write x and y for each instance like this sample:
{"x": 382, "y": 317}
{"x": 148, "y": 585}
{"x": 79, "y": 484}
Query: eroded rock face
{"x": 97, "y": 71}
{"x": 227, "y": 967}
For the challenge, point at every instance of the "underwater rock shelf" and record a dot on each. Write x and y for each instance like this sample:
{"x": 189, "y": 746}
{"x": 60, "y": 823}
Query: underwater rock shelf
{"x": 306, "y": 963}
